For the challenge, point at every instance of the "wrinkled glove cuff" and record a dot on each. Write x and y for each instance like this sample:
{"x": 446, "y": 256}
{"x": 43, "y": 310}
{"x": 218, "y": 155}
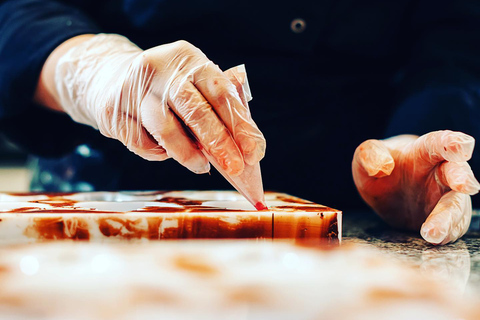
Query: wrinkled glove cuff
{"x": 86, "y": 71}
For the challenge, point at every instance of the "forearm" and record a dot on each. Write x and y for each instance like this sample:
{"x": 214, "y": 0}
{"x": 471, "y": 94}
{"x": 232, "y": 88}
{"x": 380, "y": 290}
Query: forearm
{"x": 46, "y": 93}
{"x": 31, "y": 30}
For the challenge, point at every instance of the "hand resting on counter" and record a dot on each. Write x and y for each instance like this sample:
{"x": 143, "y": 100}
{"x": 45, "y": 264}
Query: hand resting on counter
{"x": 419, "y": 183}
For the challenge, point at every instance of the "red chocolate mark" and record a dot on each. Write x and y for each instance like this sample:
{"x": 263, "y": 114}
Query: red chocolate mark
{"x": 260, "y": 206}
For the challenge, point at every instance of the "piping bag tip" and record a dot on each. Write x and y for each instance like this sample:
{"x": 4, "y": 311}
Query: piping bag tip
{"x": 248, "y": 183}
{"x": 261, "y": 206}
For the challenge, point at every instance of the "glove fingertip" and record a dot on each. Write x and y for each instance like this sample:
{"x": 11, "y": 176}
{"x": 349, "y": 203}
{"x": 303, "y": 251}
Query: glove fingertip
{"x": 198, "y": 166}
{"x": 386, "y": 169}
{"x": 432, "y": 233}
{"x": 375, "y": 158}
{"x": 459, "y": 177}
{"x": 456, "y": 146}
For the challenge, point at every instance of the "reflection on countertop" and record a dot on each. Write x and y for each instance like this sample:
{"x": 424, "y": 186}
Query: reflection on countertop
{"x": 457, "y": 263}
{"x": 218, "y": 279}
{"x": 367, "y": 277}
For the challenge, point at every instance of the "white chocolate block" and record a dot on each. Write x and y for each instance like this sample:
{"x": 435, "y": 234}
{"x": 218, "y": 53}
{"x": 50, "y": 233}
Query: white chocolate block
{"x": 101, "y": 216}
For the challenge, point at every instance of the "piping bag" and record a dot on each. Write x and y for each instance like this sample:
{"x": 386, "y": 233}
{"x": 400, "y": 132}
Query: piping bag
{"x": 249, "y": 182}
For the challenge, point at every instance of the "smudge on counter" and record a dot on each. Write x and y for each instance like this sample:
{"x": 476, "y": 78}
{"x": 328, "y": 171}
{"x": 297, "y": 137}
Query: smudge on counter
{"x": 195, "y": 264}
{"x": 144, "y": 294}
{"x": 418, "y": 293}
{"x": 3, "y": 269}
{"x": 249, "y": 294}
{"x": 12, "y": 300}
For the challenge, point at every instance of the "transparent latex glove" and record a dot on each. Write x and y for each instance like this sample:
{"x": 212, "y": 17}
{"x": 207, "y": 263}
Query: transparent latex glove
{"x": 419, "y": 183}
{"x": 153, "y": 100}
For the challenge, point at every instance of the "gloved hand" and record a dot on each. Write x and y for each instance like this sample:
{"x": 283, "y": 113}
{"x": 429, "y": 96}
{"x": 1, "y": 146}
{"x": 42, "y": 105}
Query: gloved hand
{"x": 154, "y": 100}
{"x": 419, "y": 183}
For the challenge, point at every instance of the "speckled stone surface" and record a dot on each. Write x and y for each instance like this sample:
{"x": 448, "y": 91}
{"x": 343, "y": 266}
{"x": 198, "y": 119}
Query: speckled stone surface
{"x": 458, "y": 262}
{"x": 217, "y": 279}
{"x": 377, "y": 273}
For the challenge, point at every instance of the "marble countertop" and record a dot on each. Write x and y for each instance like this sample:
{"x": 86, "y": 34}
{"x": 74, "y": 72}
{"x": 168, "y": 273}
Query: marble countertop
{"x": 458, "y": 262}
{"x": 375, "y": 273}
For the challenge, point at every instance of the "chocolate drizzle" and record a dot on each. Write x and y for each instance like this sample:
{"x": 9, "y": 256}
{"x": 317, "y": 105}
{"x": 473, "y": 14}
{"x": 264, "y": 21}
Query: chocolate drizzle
{"x": 181, "y": 201}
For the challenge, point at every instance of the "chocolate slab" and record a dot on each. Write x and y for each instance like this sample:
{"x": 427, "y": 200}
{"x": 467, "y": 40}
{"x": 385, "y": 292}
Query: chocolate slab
{"x": 101, "y": 216}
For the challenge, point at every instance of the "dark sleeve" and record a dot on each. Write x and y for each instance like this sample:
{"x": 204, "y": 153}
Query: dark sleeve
{"x": 30, "y": 30}
{"x": 440, "y": 87}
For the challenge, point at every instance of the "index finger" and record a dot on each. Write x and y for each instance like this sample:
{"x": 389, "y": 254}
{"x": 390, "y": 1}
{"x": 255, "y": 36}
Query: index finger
{"x": 222, "y": 95}
{"x": 438, "y": 146}
{"x": 449, "y": 220}
{"x": 197, "y": 114}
